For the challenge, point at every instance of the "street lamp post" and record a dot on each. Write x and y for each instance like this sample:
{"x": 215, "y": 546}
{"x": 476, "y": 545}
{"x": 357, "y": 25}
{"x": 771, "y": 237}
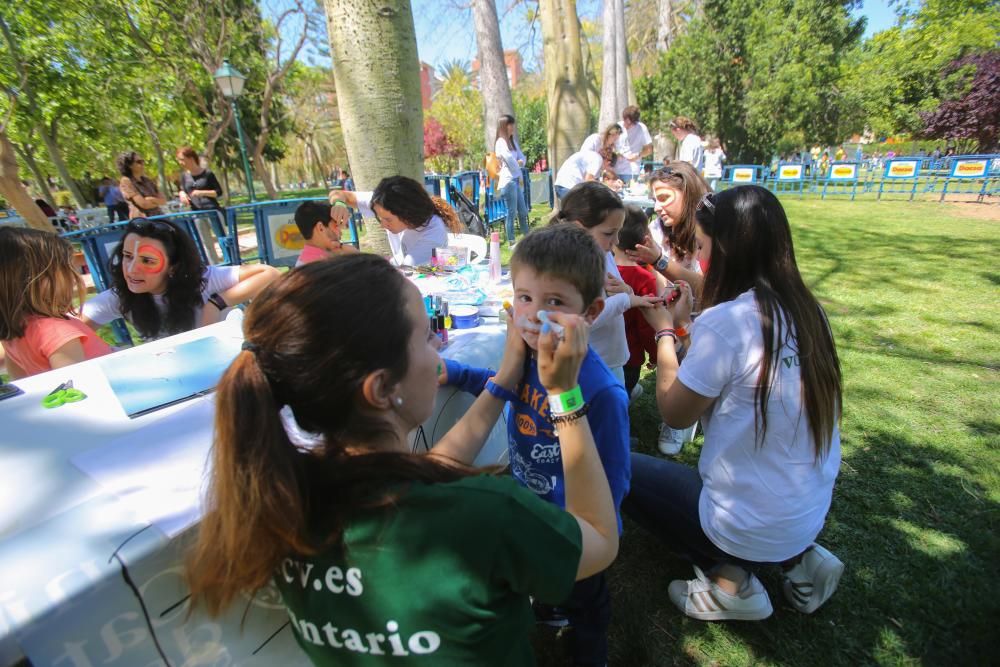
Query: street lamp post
{"x": 231, "y": 82}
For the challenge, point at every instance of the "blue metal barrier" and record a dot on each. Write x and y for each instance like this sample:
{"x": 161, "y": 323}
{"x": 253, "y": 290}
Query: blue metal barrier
{"x": 900, "y": 176}
{"x": 841, "y": 180}
{"x": 743, "y": 174}
{"x": 494, "y": 208}
{"x": 279, "y": 241}
{"x": 468, "y": 183}
{"x": 977, "y": 175}
{"x": 789, "y": 177}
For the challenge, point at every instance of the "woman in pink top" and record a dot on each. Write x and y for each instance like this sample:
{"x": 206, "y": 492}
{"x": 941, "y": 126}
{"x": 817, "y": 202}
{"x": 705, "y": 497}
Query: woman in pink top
{"x": 38, "y": 326}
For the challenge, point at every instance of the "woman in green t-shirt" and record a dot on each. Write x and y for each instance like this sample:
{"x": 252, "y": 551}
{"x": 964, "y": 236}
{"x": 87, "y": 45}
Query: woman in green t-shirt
{"x": 382, "y": 555}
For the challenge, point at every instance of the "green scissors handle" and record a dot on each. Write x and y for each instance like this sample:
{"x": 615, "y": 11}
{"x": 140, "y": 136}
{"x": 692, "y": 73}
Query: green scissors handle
{"x": 61, "y": 397}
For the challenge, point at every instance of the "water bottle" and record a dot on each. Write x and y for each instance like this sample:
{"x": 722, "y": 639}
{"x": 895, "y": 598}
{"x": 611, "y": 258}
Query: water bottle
{"x": 495, "y": 271}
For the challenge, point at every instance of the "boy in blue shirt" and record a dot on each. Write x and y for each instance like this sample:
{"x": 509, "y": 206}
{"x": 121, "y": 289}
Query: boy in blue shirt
{"x": 560, "y": 268}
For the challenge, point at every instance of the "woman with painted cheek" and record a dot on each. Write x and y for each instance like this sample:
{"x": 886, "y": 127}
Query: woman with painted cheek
{"x": 670, "y": 246}
{"x": 160, "y": 284}
{"x": 415, "y": 222}
{"x": 599, "y": 211}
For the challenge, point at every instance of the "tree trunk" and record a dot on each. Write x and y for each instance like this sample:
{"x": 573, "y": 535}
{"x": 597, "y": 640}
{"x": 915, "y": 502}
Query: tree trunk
{"x": 664, "y": 25}
{"x": 161, "y": 163}
{"x": 493, "y": 81}
{"x": 376, "y": 71}
{"x": 565, "y": 84}
{"x": 55, "y": 155}
{"x": 615, "y": 82}
{"x": 13, "y": 189}
{"x": 262, "y": 172}
{"x": 27, "y": 154}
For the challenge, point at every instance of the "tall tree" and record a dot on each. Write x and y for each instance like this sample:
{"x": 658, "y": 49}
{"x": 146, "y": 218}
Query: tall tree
{"x": 615, "y": 83}
{"x": 377, "y": 73}
{"x": 972, "y": 113}
{"x": 565, "y": 83}
{"x": 11, "y": 186}
{"x": 493, "y": 81}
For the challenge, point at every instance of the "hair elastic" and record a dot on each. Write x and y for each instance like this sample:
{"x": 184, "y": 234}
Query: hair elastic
{"x": 250, "y": 347}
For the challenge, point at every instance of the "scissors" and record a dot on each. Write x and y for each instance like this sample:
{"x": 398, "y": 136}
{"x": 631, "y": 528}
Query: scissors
{"x": 64, "y": 393}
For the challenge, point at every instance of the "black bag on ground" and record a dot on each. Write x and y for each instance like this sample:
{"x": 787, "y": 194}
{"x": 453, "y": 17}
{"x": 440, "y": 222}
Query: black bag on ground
{"x": 467, "y": 212}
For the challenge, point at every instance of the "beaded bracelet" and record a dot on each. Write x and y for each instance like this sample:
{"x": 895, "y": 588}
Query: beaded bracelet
{"x": 569, "y": 417}
{"x": 665, "y": 332}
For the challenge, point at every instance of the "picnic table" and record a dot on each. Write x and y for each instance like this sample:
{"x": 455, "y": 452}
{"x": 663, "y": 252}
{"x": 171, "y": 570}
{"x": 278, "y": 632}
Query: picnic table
{"x": 97, "y": 510}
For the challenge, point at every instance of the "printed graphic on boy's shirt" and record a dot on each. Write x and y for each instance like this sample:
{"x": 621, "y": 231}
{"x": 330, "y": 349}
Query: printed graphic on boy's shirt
{"x": 527, "y": 426}
{"x": 524, "y": 472}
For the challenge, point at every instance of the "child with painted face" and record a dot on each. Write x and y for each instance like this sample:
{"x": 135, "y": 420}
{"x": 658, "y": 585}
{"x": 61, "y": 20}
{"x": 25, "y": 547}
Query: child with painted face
{"x": 160, "y": 284}
{"x": 599, "y": 212}
{"x": 320, "y": 231}
{"x": 38, "y": 324}
{"x": 670, "y": 247}
{"x": 556, "y": 271}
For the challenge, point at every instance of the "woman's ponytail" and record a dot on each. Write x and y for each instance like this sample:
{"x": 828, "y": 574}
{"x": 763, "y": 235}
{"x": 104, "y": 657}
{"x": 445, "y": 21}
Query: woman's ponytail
{"x": 256, "y": 500}
{"x": 448, "y": 215}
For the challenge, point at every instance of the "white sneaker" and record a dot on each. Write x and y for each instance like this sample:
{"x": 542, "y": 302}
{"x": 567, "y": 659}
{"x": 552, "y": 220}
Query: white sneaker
{"x": 671, "y": 440}
{"x": 702, "y": 599}
{"x": 636, "y": 393}
{"x": 811, "y": 583}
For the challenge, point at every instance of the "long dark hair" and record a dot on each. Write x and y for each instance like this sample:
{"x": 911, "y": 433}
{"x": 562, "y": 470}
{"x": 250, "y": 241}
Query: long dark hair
{"x": 504, "y": 122}
{"x": 125, "y": 161}
{"x": 588, "y": 203}
{"x": 185, "y": 281}
{"x": 752, "y": 249}
{"x": 685, "y": 179}
{"x": 268, "y": 498}
{"x": 409, "y": 201}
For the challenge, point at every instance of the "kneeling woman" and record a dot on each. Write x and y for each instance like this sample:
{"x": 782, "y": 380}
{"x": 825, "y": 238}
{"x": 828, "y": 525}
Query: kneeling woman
{"x": 763, "y": 377}
{"x": 377, "y": 551}
{"x": 161, "y": 286}
{"x": 415, "y": 222}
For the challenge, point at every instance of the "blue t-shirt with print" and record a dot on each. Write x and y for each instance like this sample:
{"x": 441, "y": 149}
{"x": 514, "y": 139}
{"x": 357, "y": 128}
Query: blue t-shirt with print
{"x": 535, "y": 456}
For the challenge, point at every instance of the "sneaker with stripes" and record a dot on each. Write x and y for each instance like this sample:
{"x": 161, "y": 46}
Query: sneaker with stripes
{"x": 701, "y": 598}
{"x": 813, "y": 580}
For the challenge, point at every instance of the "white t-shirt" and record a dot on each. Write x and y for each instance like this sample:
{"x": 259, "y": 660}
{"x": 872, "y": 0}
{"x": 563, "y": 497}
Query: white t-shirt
{"x": 633, "y": 140}
{"x": 509, "y": 168}
{"x": 692, "y": 151}
{"x": 607, "y": 333}
{"x": 576, "y": 167}
{"x": 592, "y": 143}
{"x": 105, "y": 307}
{"x": 714, "y": 157}
{"x": 656, "y": 232}
{"x": 410, "y": 246}
{"x": 762, "y": 504}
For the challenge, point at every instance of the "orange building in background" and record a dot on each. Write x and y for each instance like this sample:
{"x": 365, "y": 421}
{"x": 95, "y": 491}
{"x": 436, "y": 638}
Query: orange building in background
{"x": 512, "y": 61}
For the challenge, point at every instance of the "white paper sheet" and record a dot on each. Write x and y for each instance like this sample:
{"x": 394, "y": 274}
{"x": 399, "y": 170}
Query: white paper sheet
{"x": 159, "y": 468}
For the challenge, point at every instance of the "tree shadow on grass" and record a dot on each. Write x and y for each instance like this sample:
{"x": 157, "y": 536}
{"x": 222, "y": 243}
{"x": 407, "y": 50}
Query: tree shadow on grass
{"x": 917, "y": 534}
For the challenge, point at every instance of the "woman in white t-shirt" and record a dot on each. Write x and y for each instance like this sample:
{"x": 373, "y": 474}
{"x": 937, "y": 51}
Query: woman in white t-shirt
{"x": 605, "y": 142}
{"x": 763, "y": 377}
{"x": 686, "y": 134}
{"x": 714, "y": 157}
{"x": 161, "y": 286}
{"x": 415, "y": 222}
{"x": 509, "y": 186}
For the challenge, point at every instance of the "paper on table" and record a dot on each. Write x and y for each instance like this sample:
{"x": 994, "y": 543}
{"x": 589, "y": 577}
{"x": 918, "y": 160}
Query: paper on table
{"x": 158, "y": 469}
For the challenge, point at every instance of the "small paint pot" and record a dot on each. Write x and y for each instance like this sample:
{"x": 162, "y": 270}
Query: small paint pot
{"x": 464, "y": 317}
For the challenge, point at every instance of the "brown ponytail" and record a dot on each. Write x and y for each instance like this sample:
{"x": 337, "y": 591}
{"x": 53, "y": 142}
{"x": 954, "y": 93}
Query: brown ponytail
{"x": 448, "y": 215}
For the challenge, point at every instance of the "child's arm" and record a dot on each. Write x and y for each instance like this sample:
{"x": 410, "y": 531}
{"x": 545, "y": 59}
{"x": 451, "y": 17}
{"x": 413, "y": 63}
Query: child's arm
{"x": 13, "y": 370}
{"x": 67, "y": 355}
{"x": 469, "y": 379}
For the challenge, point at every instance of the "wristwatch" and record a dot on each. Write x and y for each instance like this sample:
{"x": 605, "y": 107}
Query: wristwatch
{"x": 662, "y": 262}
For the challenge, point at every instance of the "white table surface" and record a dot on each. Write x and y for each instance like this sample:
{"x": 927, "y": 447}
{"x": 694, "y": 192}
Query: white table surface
{"x": 58, "y": 526}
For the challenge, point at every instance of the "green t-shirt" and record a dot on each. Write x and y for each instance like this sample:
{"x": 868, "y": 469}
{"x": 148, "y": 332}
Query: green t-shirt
{"x": 442, "y": 578}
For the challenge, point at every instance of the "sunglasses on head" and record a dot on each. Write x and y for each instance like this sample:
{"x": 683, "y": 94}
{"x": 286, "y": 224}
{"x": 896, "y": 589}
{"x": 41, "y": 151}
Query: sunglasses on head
{"x": 707, "y": 202}
{"x": 142, "y": 225}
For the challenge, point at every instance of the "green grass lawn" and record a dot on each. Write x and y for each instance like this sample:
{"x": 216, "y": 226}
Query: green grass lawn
{"x": 912, "y": 294}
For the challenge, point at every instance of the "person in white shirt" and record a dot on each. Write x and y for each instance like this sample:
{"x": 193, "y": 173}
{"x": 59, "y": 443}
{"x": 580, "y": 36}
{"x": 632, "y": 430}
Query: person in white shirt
{"x": 690, "y": 149}
{"x": 415, "y": 222}
{"x": 714, "y": 157}
{"x": 635, "y": 142}
{"x": 606, "y": 143}
{"x": 509, "y": 183}
{"x": 762, "y": 375}
{"x": 160, "y": 284}
{"x": 578, "y": 167}
{"x": 601, "y": 213}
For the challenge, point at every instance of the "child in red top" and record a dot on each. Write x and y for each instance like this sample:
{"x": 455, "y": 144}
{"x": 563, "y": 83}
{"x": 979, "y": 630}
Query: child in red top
{"x": 643, "y": 282}
{"x": 37, "y": 284}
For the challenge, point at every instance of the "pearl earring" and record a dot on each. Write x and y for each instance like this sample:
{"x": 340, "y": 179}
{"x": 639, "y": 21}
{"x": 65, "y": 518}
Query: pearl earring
{"x": 399, "y": 401}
